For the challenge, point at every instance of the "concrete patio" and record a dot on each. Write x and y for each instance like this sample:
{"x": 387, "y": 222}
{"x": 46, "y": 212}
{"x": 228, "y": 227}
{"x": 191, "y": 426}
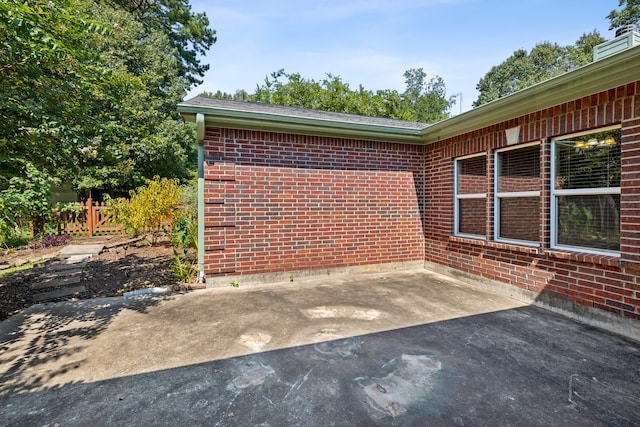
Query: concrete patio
{"x": 401, "y": 348}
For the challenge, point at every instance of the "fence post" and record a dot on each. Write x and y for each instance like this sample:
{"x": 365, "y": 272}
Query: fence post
{"x": 59, "y": 228}
{"x": 90, "y": 216}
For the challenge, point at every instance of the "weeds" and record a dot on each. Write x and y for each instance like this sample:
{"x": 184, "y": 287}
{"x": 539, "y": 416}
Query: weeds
{"x": 183, "y": 268}
{"x": 11, "y": 270}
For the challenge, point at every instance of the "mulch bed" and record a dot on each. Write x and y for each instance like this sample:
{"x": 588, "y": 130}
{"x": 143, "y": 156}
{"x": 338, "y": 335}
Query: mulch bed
{"x": 118, "y": 269}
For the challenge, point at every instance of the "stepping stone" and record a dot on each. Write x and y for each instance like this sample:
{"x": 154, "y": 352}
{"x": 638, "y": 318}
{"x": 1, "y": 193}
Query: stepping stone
{"x": 58, "y": 293}
{"x": 49, "y": 276}
{"x": 72, "y": 250}
{"x": 67, "y": 268}
{"x": 60, "y": 281}
{"x": 74, "y": 259}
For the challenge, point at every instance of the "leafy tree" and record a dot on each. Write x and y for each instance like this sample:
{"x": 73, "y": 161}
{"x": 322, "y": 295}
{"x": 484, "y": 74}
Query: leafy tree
{"x": 426, "y": 99}
{"x": 630, "y": 14}
{"x": 421, "y": 101}
{"x": 88, "y": 94}
{"x": 26, "y": 197}
{"x": 581, "y": 53}
{"x": 188, "y": 32}
{"x": 140, "y": 136}
{"x": 47, "y": 73}
{"x": 239, "y": 95}
{"x": 523, "y": 69}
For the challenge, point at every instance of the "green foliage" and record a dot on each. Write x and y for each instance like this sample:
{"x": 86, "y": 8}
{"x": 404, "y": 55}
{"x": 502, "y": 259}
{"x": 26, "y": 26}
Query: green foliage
{"x": 189, "y": 33}
{"x": 48, "y": 71}
{"x": 184, "y": 233}
{"x": 141, "y": 135}
{"x": 26, "y": 197}
{"x": 234, "y": 284}
{"x": 426, "y": 100}
{"x": 74, "y": 208}
{"x": 183, "y": 267}
{"x": 149, "y": 207}
{"x": 524, "y": 69}
{"x": 17, "y": 269}
{"x": 630, "y": 14}
{"x": 88, "y": 90}
{"x": 422, "y": 100}
{"x": 5, "y": 225}
{"x": 239, "y": 95}
{"x": 13, "y": 237}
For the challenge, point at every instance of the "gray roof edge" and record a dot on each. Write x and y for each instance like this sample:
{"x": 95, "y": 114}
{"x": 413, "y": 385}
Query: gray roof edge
{"x": 608, "y": 73}
{"x": 228, "y": 114}
{"x": 276, "y": 112}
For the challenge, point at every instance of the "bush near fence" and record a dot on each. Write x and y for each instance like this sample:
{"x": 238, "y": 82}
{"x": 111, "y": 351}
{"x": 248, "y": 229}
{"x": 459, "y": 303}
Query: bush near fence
{"x": 94, "y": 219}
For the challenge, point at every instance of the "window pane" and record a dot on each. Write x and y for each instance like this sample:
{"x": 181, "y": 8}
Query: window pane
{"x": 520, "y": 218}
{"x": 590, "y": 161}
{"x": 519, "y": 170}
{"x": 589, "y": 221}
{"x": 472, "y": 216}
{"x": 472, "y": 175}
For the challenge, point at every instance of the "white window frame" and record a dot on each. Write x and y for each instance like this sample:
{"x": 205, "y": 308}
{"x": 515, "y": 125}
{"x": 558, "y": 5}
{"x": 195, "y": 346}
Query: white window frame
{"x": 555, "y": 193}
{"x": 510, "y": 194}
{"x": 458, "y": 197}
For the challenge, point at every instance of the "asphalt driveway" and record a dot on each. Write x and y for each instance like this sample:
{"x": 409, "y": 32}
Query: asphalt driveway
{"x": 403, "y": 348}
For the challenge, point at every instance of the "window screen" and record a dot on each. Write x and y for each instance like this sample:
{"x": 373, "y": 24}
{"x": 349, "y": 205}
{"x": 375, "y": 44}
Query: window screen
{"x": 518, "y": 194}
{"x": 471, "y": 196}
{"x": 586, "y": 191}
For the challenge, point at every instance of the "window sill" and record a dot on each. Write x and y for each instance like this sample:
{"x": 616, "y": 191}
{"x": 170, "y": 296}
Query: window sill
{"x": 531, "y": 250}
{"x": 468, "y": 241}
{"x": 496, "y": 245}
{"x": 607, "y": 260}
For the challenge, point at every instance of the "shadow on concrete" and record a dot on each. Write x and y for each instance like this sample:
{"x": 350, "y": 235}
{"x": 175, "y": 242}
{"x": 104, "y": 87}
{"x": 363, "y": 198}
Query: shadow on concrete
{"x": 523, "y": 366}
{"x": 49, "y": 333}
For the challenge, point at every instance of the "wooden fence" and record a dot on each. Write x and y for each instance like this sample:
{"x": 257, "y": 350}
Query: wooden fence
{"x": 95, "y": 219}
{"x": 92, "y": 219}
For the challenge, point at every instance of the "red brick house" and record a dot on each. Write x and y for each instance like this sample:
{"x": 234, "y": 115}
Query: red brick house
{"x": 536, "y": 195}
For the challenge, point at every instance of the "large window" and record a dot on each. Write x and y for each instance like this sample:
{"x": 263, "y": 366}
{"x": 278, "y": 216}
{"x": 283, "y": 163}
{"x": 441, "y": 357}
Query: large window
{"x": 517, "y": 194}
{"x": 585, "y": 191}
{"x": 471, "y": 196}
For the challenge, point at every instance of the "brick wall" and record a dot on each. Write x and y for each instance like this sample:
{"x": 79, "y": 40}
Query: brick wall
{"x": 285, "y": 203}
{"x": 604, "y": 282}
{"x": 280, "y": 203}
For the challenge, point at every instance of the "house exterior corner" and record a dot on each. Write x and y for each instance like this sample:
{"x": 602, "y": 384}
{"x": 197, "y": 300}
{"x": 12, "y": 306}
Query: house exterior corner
{"x": 534, "y": 194}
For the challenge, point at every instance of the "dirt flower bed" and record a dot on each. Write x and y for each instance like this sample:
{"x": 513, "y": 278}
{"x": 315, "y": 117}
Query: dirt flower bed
{"x": 118, "y": 269}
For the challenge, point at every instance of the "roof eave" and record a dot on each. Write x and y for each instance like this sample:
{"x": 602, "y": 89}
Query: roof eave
{"x": 590, "y": 79}
{"x": 225, "y": 118}
{"x": 605, "y": 74}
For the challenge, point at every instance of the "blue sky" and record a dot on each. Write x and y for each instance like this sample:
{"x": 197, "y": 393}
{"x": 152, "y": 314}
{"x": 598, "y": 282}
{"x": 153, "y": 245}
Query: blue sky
{"x": 372, "y": 42}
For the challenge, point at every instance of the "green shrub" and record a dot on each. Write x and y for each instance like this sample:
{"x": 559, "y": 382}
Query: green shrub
{"x": 184, "y": 232}
{"x": 149, "y": 208}
{"x": 184, "y": 268}
{"x": 25, "y": 198}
